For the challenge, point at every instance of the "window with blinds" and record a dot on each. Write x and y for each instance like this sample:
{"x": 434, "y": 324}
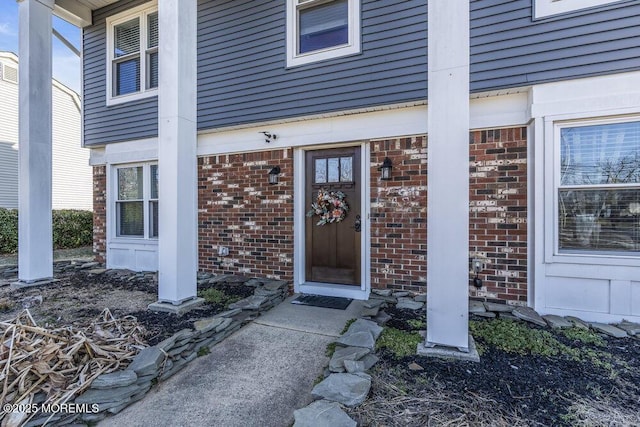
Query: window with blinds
{"x": 136, "y": 201}
{"x": 133, "y": 53}
{"x": 321, "y": 29}
{"x": 599, "y": 188}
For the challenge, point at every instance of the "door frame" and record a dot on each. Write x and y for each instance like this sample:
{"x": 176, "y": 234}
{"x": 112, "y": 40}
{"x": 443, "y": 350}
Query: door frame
{"x": 300, "y": 208}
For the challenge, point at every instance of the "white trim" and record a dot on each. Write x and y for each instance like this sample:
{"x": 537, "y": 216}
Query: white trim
{"x": 544, "y": 8}
{"x": 352, "y": 47}
{"x": 386, "y": 122}
{"x": 299, "y": 208}
{"x": 140, "y": 12}
{"x": 593, "y": 287}
{"x": 141, "y": 253}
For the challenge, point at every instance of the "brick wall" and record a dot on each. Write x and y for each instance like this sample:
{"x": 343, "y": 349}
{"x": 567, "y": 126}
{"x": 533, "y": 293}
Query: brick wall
{"x": 498, "y": 211}
{"x": 238, "y": 209}
{"x": 399, "y": 215}
{"x": 99, "y": 213}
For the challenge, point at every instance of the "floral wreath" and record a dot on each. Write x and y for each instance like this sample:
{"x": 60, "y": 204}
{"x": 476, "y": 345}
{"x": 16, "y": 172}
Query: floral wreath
{"x": 330, "y": 206}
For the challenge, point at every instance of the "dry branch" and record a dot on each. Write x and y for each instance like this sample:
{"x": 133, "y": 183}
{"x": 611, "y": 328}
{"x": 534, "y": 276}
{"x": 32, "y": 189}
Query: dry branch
{"x": 59, "y": 364}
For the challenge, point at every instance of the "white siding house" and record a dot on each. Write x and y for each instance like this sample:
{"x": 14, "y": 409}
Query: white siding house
{"x": 72, "y": 175}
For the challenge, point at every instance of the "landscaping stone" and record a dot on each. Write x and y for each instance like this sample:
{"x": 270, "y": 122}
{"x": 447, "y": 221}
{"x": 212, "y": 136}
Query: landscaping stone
{"x": 420, "y": 298}
{"x": 114, "y": 379}
{"x": 347, "y": 389}
{"x": 498, "y": 308}
{"x": 110, "y": 395}
{"x": 88, "y": 265}
{"x": 357, "y": 339}
{"x": 322, "y": 413}
{"x": 370, "y": 312}
{"x": 369, "y": 360}
{"x": 487, "y": 314}
{"x": 631, "y": 328}
{"x": 577, "y": 322}
{"x": 206, "y": 325}
{"x": 224, "y": 325}
{"x": 400, "y": 294}
{"x": 609, "y": 330}
{"x": 382, "y": 318}
{"x": 508, "y": 316}
{"x": 147, "y": 361}
{"x": 557, "y": 322}
{"x": 250, "y": 303}
{"x": 409, "y": 304}
{"x": 382, "y": 292}
{"x": 389, "y": 299}
{"x": 476, "y": 307}
{"x": 336, "y": 364}
{"x": 353, "y": 366}
{"x": 529, "y": 315}
{"x": 373, "y": 303}
{"x": 365, "y": 325}
{"x": 229, "y": 313}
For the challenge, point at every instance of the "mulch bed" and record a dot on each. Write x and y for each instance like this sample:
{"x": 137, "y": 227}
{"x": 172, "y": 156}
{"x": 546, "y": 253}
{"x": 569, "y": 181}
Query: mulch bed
{"x": 516, "y": 389}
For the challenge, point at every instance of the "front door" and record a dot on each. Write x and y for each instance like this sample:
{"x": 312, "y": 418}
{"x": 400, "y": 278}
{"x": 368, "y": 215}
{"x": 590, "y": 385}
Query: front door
{"x": 333, "y": 229}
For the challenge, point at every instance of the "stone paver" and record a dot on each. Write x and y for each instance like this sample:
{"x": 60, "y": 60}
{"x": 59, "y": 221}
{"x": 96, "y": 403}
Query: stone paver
{"x": 557, "y": 322}
{"x": 609, "y": 330}
{"x": 530, "y": 315}
{"x": 322, "y": 413}
{"x": 347, "y": 389}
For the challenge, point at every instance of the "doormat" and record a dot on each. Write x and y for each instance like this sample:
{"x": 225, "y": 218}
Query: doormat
{"x": 322, "y": 301}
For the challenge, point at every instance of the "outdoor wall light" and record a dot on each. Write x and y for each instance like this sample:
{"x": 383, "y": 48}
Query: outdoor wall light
{"x": 273, "y": 175}
{"x": 385, "y": 169}
{"x": 269, "y": 137}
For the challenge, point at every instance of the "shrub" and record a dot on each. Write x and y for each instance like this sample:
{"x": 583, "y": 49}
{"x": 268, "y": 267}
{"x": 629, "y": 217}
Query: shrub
{"x": 71, "y": 229}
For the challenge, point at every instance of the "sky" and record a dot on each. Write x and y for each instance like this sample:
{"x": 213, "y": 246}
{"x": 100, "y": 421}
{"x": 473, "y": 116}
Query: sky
{"x": 66, "y": 65}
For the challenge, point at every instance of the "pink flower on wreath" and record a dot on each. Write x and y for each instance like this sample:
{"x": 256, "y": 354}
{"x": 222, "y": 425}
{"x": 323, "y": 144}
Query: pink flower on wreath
{"x": 337, "y": 213}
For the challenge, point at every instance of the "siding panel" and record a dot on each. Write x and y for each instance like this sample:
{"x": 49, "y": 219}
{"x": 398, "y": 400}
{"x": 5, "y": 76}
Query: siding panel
{"x": 242, "y": 74}
{"x": 102, "y": 124}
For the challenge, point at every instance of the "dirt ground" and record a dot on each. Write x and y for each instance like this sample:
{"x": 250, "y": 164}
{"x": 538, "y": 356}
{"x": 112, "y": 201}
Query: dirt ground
{"x": 79, "y": 296}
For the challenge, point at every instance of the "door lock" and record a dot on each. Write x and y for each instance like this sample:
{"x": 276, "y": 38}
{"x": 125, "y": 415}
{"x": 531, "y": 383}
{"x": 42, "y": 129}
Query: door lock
{"x": 358, "y": 224}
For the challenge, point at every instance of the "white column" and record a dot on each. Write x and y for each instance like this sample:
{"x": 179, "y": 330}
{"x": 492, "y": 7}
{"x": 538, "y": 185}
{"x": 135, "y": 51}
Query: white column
{"x": 177, "y": 140}
{"x": 35, "y": 240}
{"x": 448, "y": 166}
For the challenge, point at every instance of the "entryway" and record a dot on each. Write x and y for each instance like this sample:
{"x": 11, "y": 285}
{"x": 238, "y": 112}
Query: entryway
{"x": 331, "y": 222}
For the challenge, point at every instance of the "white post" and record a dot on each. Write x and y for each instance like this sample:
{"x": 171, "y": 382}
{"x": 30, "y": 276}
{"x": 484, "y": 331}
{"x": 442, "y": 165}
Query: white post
{"x": 177, "y": 162}
{"x": 448, "y": 166}
{"x": 35, "y": 240}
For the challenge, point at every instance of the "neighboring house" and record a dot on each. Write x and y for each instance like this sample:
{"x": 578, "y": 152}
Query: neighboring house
{"x": 322, "y": 93}
{"x": 72, "y": 175}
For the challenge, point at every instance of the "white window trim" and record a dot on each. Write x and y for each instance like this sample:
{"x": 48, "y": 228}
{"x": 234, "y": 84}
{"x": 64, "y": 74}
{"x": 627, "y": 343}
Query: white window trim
{"x": 552, "y": 160}
{"x": 112, "y": 215}
{"x": 141, "y": 12}
{"x": 353, "y": 47}
{"x": 544, "y": 8}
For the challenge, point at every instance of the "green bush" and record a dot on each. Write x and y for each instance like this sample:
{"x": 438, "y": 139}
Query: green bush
{"x": 71, "y": 229}
{"x": 8, "y": 231}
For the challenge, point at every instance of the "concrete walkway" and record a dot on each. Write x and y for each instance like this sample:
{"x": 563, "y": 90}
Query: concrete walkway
{"x": 256, "y": 377}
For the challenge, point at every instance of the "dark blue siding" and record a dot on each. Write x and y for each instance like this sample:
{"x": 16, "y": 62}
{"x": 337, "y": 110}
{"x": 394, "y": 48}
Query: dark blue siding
{"x": 509, "y": 49}
{"x": 242, "y": 74}
{"x": 122, "y": 122}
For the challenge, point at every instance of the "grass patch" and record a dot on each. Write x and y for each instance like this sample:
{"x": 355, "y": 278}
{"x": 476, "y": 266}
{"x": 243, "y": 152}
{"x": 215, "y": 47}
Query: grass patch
{"x": 400, "y": 343}
{"x": 216, "y": 296}
{"x": 584, "y": 336}
{"x": 331, "y": 348}
{"x": 203, "y": 351}
{"x": 417, "y": 324}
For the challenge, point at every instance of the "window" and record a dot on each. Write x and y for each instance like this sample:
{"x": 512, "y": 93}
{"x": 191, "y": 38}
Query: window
{"x": 132, "y": 51}
{"x": 599, "y": 188}
{"x": 136, "y": 201}
{"x": 321, "y": 29}
{"x": 544, "y": 8}
{"x": 333, "y": 170}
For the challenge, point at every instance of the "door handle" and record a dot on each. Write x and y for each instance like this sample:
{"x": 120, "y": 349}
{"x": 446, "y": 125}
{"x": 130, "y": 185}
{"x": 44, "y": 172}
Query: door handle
{"x": 358, "y": 224}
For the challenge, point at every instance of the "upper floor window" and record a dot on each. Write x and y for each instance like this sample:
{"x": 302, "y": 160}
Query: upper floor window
{"x": 132, "y": 54}
{"x": 544, "y": 8}
{"x": 321, "y": 29}
{"x": 598, "y": 188}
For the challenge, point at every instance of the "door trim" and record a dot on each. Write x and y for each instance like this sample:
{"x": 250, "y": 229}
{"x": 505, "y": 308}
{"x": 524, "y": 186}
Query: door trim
{"x": 328, "y": 289}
